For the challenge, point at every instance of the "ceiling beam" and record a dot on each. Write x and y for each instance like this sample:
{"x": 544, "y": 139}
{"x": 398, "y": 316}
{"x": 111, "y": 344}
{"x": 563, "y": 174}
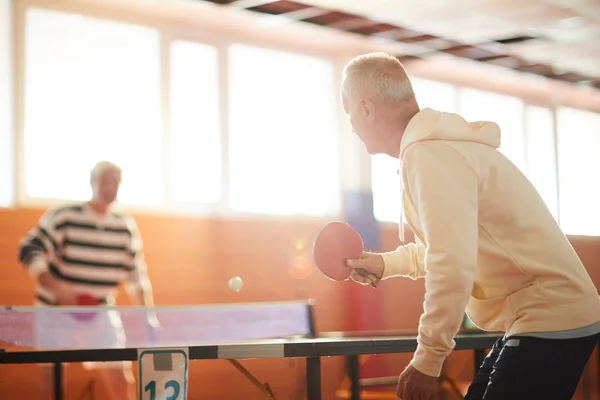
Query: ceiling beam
{"x": 294, "y": 11}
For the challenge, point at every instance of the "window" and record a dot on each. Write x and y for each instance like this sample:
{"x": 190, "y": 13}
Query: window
{"x": 195, "y": 136}
{"x": 283, "y": 133}
{"x": 506, "y": 111}
{"x": 385, "y": 181}
{"x": 7, "y": 170}
{"x": 578, "y": 149}
{"x": 437, "y": 95}
{"x": 92, "y": 93}
{"x": 541, "y": 156}
{"x": 386, "y": 187}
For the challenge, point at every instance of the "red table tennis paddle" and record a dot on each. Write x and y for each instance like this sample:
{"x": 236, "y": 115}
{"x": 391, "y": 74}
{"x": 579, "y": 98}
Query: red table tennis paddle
{"x": 87, "y": 300}
{"x": 83, "y": 299}
{"x": 335, "y": 243}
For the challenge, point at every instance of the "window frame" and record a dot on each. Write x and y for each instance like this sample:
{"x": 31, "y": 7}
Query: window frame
{"x": 7, "y": 91}
{"x": 221, "y": 37}
{"x": 169, "y": 36}
{"x": 559, "y": 170}
{"x": 527, "y": 145}
{"x": 20, "y": 16}
{"x": 338, "y": 125}
{"x": 39, "y": 201}
{"x": 168, "y": 32}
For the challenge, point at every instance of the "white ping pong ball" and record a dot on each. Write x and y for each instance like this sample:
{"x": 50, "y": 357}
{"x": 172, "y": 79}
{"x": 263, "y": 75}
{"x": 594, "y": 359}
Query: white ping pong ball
{"x": 236, "y": 284}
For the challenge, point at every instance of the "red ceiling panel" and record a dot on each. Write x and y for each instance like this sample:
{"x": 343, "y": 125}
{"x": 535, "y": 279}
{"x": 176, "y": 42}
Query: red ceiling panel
{"x": 279, "y": 7}
{"x": 571, "y": 77}
{"x": 374, "y": 29}
{"x": 364, "y": 26}
{"x": 331, "y": 18}
{"x": 539, "y": 69}
{"x": 222, "y": 1}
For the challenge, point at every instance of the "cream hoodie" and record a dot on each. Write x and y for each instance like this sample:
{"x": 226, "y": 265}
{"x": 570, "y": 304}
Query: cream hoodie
{"x": 486, "y": 242}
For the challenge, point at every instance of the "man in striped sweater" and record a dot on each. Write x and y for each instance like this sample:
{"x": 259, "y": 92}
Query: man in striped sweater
{"x": 88, "y": 249}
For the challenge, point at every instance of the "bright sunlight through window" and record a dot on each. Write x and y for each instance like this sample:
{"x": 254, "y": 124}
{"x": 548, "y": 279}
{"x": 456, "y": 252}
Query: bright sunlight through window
{"x": 92, "y": 93}
{"x": 283, "y": 133}
{"x": 578, "y": 149}
{"x": 506, "y": 111}
{"x": 541, "y": 160}
{"x": 7, "y": 170}
{"x": 195, "y": 145}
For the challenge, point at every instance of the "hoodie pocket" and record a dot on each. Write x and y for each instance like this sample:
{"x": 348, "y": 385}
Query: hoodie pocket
{"x": 526, "y": 299}
{"x": 493, "y": 314}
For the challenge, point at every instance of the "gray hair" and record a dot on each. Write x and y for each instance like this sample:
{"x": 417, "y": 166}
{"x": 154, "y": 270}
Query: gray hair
{"x": 378, "y": 76}
{"x": 102, "y": 167}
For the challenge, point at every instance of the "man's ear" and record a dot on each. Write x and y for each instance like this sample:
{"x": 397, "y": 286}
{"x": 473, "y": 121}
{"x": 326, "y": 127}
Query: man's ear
{"x": 367, "y": 108}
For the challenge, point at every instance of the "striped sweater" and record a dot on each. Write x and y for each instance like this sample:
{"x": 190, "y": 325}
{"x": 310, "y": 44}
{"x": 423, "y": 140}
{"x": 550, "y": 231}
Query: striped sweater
{"x": 93, "y": 252}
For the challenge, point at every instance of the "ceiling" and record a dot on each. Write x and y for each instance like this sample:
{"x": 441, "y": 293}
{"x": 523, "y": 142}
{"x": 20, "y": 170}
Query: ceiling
{"x": 557, "y": 39}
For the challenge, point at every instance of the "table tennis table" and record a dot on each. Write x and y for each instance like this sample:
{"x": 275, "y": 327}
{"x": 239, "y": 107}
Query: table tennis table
{"x": 265, "y": 330}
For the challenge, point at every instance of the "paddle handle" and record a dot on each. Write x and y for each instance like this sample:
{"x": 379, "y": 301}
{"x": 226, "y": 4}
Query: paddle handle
{"x": 372, "y": 277}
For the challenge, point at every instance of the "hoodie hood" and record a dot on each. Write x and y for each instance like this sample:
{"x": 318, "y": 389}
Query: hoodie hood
{"x": 430, "y": 124}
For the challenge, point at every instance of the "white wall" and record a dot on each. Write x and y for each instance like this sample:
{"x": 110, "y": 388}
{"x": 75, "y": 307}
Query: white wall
{"x": 7, "y": 156}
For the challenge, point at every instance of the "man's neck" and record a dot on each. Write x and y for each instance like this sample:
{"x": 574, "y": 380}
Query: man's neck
{"x": 99, "y": 207}
{"x": 400, "y": 122}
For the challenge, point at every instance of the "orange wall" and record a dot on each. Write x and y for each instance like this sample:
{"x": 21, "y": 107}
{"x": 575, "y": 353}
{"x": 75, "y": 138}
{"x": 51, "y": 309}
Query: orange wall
{"x": 190, "y": 262}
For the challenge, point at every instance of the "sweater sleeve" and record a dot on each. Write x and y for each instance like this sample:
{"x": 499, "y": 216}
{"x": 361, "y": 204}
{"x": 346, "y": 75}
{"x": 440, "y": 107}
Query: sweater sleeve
{"x": 443, "y": 189}
{"x": 42, "y": 242}
{"x": 138, "y": 276}
{"x": 407, "y": 261}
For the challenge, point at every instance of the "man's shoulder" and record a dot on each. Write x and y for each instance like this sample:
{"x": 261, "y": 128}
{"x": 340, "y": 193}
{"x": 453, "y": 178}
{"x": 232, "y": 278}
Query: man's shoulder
{"x": 438, "y": 154}
{"x": 433, "y": 147}
{"x": 63, "y": 210}
{"x": 124, "y": 218}
{"x": 119, "y": 214}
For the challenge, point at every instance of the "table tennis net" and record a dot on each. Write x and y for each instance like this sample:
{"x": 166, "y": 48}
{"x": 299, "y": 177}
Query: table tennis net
{"x": 129, "y": 327}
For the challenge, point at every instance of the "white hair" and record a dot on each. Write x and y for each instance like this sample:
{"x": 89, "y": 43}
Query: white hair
{"x": 377, "y": 76}
{"x": 102, "y": 167}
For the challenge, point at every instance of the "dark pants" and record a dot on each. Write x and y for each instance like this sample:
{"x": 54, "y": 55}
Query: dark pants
{"x": 528, "y": 368}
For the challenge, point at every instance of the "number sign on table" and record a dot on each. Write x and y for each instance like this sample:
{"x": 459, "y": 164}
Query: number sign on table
{"x": 163, "y": 374}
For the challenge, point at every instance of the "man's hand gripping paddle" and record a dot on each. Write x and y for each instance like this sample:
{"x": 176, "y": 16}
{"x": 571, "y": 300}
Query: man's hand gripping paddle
{"x": 335, "y": 243}
{"x": 85, "y": 300}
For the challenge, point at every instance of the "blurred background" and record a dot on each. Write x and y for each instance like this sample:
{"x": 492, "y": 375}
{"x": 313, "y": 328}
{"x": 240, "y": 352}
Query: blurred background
{"x": 227, "y": 121}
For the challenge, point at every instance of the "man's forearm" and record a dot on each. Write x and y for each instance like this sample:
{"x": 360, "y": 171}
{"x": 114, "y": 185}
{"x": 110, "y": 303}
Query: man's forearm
{"x": 35, "y": 262}
{"x": 406, "y": 261}
{"x": 58, "y": 291}
{"x": 48, "y": 281}
{"x": 142, "y": 297}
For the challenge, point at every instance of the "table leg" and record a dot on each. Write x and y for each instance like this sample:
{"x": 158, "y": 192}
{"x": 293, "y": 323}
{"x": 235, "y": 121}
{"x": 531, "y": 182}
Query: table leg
{"x": 58, "y": 381}
{"x": 354, "y": 375}
{"x": 313, "y": 378}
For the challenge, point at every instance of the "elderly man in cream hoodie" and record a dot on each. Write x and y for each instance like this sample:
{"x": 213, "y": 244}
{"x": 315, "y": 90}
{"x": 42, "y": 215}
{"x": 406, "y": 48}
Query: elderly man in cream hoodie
{"x": 485, "y": 243}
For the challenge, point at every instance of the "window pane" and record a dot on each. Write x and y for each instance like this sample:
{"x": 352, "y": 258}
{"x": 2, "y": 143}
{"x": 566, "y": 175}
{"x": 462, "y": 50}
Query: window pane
{"x": 7, "y": 170}
{"x": 506, "y": 111}
{"x": 437, "y": 95}
{"x": 283, "y": 133}
{"x": 541, "y": 159}
{"x": 92, "y": 93}
{"x": 385, "y": 181}
{"x": 195, "y": 135}
{"x": 386, "y": 186}
{"x": 578, "y": 150}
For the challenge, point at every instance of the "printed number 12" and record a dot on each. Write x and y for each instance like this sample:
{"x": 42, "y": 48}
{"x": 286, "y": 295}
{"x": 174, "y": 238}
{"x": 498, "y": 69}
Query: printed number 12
{"x": 151, "y": 387}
